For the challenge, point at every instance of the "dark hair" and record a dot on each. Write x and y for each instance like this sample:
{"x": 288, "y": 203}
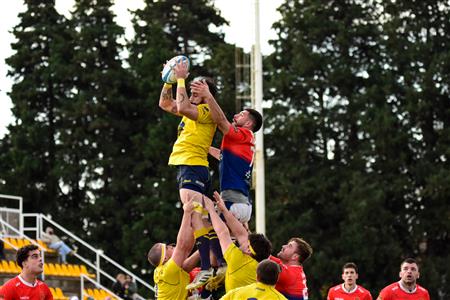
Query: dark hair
{"x": 261, "y": 245}
{"x": 409, "y": 260}
{"x": 210, "y": 82}
{"x": 154, "y": 254}
{"x": 256, "y": 117}
{"x": 350, "y": 265}
{"x": 304, "y": 250}
{"x": 22, "y": 253}
{"x": 268, "y": 272}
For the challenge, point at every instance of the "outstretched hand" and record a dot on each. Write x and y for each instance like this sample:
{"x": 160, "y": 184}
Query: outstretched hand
{"x": 201, "y": 88}
{"x": 188, "y": 207}
{"x": 181, "y": 69}
{"x": 209, "y": 205}
{"x": 219, "y": 201}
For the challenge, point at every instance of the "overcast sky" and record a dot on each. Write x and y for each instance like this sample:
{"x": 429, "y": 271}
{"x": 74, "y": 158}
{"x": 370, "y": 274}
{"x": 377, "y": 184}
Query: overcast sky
{"x": 240, "y": 14}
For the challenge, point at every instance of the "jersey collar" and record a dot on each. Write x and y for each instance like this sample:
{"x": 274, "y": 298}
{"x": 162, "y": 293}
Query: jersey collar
{"x": 349, "y": 292}
{"x": 27, "y": 283}
{"x": 405, "y": 289}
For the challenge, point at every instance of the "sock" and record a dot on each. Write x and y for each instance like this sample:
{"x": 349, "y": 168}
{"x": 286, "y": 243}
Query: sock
{"x": 205, "y": 293}
{"x": 202, "y": 242}
{"x": 215, "y": 247}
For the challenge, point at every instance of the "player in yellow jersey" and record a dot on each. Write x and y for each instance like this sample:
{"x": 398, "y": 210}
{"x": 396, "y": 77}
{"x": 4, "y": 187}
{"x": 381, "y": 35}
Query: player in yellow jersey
{"x": 253, "y": 248}
{"x": 172, "y": 262}
{"x": 264, "y": 289}
{"x": 189, "y": 155}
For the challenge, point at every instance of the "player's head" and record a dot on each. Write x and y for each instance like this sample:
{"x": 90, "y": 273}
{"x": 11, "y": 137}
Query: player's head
{"x": 409, "y": 271}
{"x": 195, "y": 99}
{"x": 248, "y": 118}
{"x": 29, "y": 259}
{"x": 350, "y": 273}
{"x": 296, "y": 250}
{"x": 267, "y": 272}
{"x": 160, "y": 253}
{"x": 259, "y": 247}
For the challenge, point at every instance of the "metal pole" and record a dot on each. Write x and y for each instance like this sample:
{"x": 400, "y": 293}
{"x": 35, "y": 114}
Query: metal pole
{"x": 259, "y": 156}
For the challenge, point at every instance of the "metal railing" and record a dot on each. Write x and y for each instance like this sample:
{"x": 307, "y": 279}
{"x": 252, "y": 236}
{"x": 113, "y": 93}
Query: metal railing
{"x": 39, "y": 219}
{"x": 99, "y": 255}
{"x": 21, "y": 235}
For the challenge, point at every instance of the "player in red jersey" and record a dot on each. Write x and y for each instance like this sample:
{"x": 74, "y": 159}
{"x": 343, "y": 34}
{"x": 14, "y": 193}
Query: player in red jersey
{"x": 26, "y": 286}
{"x": 407, "y": 288}
{"x": 349, "y": 290}
{"x": 292, "y": 280}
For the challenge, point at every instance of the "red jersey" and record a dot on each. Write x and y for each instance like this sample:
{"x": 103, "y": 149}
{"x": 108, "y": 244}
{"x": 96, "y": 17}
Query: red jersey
{"x": 292, "y": 281}
{"x": 19, "y": 289}
{"x": 338, "y": 292}
{"x": 396, "y": 292}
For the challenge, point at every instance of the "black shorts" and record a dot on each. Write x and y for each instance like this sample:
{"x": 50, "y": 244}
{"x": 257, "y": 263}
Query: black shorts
{"x": 196, "y": 178}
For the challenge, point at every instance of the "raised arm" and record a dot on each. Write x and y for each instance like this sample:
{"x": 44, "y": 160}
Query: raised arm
{"x": 166, "y": 101}
{"x": 219, "y": 226}
{"x": 184, "y": 106}
{"x": 185, "y": 238}
{"x": 236, "y": 227}
{"x": 217, "y": 114}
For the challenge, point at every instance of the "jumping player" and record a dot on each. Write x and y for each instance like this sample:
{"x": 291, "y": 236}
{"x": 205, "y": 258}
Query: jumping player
{"x": 195, "y": 134}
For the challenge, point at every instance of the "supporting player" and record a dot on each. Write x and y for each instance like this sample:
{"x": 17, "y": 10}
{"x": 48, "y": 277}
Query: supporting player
{"x": 349, "y": 290}
{"x": 241, "y": 261}
{"x": 195, "y": 134}
{"x": 172, "y": 262}
{"x": 407, "y": 288}
{"x": 264, "y": 289}
{"x": 292, "y": 280}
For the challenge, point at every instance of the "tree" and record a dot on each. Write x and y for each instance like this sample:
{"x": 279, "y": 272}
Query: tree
{"x": 38, "y": 70}
{"x": 353, "y": 134}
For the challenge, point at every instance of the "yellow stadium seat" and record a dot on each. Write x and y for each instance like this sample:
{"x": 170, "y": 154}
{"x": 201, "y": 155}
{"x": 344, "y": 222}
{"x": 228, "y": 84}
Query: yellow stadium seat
{"x": 85, "y": 271}
{"x": 64, "y": 270}
{"x": 13, "y": 267}
{"x": 50, "y": 269}
{"x": 5, "y": 267}
{"x": 77, "y": 270}
{"x": 7, "y": 243}
{"x": 60, "y": 294}
{"x": 97, "y": 295}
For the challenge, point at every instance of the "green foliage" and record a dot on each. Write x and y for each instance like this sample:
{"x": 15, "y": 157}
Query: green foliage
{"x": 357, "y": 113}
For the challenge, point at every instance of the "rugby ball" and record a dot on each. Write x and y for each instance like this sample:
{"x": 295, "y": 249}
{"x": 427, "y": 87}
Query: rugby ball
{"x": 167, "y": 73}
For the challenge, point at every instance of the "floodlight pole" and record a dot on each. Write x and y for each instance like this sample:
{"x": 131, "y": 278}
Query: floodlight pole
{"x": 260, "y": 202}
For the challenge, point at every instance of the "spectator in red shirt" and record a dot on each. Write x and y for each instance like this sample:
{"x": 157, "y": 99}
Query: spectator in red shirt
{"x": 349, "y": 290}
{"x": 407, "y": 288}
{"x": 26, "y": 285}
{"x": 292, "y": 280}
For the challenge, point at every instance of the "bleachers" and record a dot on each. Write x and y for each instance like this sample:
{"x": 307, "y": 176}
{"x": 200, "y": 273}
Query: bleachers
{"x": 58, "y": 276}
{"x": 97, "y": 294}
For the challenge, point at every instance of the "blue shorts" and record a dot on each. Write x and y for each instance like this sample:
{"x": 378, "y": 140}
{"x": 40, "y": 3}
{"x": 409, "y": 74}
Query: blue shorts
{"x": 196, "y": 178}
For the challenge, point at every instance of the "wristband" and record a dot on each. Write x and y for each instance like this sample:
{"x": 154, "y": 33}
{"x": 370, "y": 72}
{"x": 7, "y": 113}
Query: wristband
{"x": 167, "y": 86}
{"x": 180, "y": 82}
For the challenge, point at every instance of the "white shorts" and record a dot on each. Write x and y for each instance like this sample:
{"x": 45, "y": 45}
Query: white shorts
{"x": 241, "y": 211}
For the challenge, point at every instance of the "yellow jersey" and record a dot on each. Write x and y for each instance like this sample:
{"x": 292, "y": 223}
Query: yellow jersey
{"x": 170, "y": 282}
{"x": 241, "y": 268}
{"x": 194, "y": 139}
{"x": 257, "y": 291}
